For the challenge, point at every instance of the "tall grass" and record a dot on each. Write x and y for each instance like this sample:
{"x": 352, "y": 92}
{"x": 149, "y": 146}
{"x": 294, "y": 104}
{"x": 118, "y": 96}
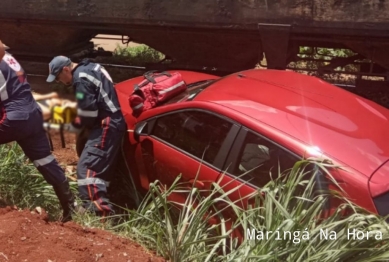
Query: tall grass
{"x": 282, "y": 207}
{"x": 289, "y": 203}
{"x": 177, "y": 231}
{"x": 287, "y": 219}
{"x": 22, "y": 185}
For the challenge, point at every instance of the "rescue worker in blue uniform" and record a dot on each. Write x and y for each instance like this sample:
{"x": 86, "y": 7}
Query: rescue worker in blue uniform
{"x": 98, "y": 110}
{"x": 21, "y": 120}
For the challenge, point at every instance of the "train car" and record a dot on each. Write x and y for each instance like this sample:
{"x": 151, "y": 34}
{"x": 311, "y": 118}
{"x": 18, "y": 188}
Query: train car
{"x": 225, "y": 35}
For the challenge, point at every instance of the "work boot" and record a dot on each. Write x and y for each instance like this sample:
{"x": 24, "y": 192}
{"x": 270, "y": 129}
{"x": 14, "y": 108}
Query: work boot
{"x": 66, "y": 199}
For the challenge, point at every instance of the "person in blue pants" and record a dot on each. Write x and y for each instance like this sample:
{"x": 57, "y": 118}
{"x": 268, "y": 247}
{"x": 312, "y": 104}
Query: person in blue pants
{"x": 99, "y": 111}
{"x": 21, "y": 120}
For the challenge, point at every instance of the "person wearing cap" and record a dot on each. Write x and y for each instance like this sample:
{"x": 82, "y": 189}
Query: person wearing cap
{"x": 21, "y": 120}
{"x": 99, "y": 111}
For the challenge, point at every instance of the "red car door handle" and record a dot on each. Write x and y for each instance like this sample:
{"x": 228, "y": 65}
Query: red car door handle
{"x": 197, "y": 183}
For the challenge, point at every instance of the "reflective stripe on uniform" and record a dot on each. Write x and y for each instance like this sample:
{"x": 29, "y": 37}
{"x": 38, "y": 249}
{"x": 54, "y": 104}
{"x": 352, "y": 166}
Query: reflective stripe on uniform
{"x": 43, "y": 161}
{"x": 87, "y": 113}
{"x": 97, "y": 67}
{"x": 3, "y": 88}
{"x": 106, "y": 74}
{"x": 92, "y": 181}
{"x": 97, "y": 83}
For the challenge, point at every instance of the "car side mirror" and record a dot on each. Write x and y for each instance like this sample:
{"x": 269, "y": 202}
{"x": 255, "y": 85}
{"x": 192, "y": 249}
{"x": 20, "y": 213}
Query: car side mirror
{"x": 140, "y": 128}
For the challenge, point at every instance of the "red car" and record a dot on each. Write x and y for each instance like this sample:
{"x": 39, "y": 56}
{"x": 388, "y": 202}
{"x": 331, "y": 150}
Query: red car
{"x": 265, "y": 118}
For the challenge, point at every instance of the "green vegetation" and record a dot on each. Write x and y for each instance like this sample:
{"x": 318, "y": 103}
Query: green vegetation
{"x": 316, "y": 59}
{"x": 342, "y": 66}
{"x": 289, "y": 203}
{"x": 325, "y": 53}
{"x": 22, "y": 185}
{"x": 285, "y": 222}
{"x": 139, "y": 55}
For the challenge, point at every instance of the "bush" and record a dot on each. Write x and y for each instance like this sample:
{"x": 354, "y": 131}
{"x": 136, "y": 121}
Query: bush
{"x": 140, "y": 55}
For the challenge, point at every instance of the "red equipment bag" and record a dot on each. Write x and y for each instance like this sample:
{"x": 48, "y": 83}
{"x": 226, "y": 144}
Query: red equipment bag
{"x": 155, "y": 89}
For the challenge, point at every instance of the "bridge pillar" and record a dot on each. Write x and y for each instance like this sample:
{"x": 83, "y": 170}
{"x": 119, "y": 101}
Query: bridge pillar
{"x": 275, "y": 44}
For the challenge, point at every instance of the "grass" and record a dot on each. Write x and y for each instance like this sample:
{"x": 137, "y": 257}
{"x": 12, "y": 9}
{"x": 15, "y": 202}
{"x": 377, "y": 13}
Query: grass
{"x": 22, "y": 185}
{"x": 291, "y": 205}
{"x": 286, "y": 220}
{"x": 288, "y": 211}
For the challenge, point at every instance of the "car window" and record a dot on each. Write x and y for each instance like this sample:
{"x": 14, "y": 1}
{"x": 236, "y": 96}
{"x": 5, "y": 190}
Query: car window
{"x": 259, "y": 160}
{"x": 195, "y": 132}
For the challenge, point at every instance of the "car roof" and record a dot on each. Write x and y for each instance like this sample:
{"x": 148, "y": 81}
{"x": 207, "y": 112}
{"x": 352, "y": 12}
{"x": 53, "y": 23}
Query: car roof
{"x": 343, "y": 125}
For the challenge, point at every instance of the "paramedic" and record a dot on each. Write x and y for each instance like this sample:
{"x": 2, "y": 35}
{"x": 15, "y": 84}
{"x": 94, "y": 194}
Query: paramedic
{"x": 21, "y": 121}
{"x": 98, "y": 110}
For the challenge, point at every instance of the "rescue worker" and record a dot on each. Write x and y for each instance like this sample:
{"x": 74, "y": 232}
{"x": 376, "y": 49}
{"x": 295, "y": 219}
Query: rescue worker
{"x": 98, "y": 110}
{"x": 21, "y": 121}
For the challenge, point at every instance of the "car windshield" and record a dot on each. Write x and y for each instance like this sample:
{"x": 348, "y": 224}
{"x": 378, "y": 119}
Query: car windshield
{"x": 192, "y": 91}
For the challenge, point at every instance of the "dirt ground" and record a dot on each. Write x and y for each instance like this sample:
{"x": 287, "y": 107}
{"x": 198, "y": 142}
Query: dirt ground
{"x": 29, "y": 236}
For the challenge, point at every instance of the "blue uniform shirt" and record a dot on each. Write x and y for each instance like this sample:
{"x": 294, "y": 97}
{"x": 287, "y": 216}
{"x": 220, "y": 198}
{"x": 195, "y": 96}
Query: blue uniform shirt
{"x": 15, "y": 92}
{"x": 96, "y": 96}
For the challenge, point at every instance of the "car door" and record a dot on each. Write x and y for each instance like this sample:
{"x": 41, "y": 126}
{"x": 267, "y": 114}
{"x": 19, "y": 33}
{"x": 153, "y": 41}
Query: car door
{"x": 253, "y": 161}
{"x": 193, "y": 143}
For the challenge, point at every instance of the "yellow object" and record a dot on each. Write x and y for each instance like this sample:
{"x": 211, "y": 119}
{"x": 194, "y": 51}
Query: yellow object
{"x": 63, "y": 114}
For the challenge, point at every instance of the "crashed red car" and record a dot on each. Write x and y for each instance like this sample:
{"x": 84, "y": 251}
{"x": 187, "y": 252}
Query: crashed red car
{"x": 279, "y": 115}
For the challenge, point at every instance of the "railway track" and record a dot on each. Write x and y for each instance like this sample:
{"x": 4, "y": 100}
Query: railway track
{"x": 37, "y": 65}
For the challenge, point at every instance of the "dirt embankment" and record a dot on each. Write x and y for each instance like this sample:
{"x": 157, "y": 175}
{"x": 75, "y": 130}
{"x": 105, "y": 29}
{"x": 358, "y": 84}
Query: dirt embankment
{"x": 27, "y": 236}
